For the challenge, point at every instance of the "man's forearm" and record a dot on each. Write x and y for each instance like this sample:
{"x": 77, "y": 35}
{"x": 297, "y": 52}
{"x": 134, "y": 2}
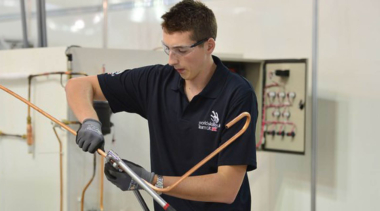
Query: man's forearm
{"x": 79, "y": 94}
{"x": 218, "y": 187}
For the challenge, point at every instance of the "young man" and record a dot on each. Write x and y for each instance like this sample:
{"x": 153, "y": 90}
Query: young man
{"x": 187, "y": 104}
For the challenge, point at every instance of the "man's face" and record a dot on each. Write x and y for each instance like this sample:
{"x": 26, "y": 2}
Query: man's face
{"x": 189, "y": 62}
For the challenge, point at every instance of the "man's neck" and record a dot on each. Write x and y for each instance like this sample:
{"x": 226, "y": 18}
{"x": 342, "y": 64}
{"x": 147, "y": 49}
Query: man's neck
{"x": 194, "y": 87}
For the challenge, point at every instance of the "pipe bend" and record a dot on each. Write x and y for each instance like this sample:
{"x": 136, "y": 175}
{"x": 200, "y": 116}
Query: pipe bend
{"x": 211, "y": 155}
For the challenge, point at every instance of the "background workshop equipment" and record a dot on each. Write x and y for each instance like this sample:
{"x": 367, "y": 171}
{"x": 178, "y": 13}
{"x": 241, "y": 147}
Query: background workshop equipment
{"x": 313, "y": 65}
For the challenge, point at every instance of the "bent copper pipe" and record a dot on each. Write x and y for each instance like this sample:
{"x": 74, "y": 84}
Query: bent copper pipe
{"x": 56, "y": 121}
{"x": 29, "y": 128}
{"x": 101, "y": 152}
{"x": 187, "y": 174}
{"x": 88, "y": 184}
{"x": 211, "y": 155}
{"x": 60, "y": 170}
{"x": 101, "y": 183}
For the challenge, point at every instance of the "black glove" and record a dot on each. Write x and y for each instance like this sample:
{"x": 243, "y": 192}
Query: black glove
{"x": 122, "y": 180}
{"x": 89, "y": 136}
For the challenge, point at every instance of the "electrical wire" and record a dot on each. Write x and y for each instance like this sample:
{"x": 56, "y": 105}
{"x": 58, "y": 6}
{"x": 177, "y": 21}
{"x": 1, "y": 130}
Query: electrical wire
{"x": 261, "y": 141}
{"x": 274, "y": 123}
{"x": 282, "y": 104}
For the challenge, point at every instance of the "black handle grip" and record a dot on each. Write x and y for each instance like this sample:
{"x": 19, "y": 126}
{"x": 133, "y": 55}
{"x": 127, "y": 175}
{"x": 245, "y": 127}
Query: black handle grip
{"x": 170, "y": 208}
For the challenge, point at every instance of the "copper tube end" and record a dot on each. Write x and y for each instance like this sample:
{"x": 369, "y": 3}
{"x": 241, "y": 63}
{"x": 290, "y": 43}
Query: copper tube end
{"x": 29, "y": 135}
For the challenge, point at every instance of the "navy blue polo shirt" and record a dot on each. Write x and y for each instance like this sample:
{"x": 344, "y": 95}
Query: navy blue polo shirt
{"x": 182, "y": 133}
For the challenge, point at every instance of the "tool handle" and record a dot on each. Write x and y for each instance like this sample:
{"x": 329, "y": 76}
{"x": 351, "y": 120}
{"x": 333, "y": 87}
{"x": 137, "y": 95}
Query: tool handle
{"x": 170, "y": 208}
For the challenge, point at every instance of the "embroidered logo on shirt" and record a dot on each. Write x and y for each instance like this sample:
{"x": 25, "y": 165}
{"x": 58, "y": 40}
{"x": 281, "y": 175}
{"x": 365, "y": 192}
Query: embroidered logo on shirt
{"x": 214, "y": 117}
{"x": 211, "y": 126}
{"x": 116, "y": 73}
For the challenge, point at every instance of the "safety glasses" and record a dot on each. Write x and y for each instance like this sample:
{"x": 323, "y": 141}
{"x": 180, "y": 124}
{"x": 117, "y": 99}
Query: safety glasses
{"x": 182, "y": 50}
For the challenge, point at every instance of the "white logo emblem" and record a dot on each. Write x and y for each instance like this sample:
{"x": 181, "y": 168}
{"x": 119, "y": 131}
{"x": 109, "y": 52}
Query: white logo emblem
{"x": 116, "y": 73}
{"x": 214, "y": 117}
{"x": 211, "y": 126}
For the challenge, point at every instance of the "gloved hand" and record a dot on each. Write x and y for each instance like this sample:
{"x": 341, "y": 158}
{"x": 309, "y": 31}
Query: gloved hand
{"x": 89, "y": 136}
{"x": 122, "y": 180}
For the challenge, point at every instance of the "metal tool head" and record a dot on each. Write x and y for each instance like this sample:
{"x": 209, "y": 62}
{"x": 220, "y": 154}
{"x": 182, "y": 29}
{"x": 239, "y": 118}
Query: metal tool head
{"x": 114, "y": 159}
{"x": 111, "y": 155}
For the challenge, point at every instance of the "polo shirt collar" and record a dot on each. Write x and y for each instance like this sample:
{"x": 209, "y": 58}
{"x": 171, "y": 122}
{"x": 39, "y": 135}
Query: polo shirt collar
{"x": 213, "y": 87}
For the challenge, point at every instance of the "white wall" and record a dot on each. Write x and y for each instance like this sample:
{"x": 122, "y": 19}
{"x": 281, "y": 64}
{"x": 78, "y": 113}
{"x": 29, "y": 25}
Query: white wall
{"x": 31, "y": 180}
{"x": 348, "y": 168}
{"x": 349, "y": 98}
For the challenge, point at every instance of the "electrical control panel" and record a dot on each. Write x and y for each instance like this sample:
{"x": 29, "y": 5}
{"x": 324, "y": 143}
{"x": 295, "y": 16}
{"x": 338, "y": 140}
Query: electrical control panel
{"x": 280, "y": 87}
{"x": 283, "y": 106}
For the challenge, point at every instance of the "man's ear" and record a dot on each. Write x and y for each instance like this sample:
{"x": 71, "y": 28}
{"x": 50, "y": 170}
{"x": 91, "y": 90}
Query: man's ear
{"x": 210, "y": 45}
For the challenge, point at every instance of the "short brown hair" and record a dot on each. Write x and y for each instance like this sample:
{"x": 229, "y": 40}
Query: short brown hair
{"x": 193, "y": 16}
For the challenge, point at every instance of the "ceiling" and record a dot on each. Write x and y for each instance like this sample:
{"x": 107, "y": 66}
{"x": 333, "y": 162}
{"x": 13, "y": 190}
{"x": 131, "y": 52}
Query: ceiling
{"x": 12, "y": 7}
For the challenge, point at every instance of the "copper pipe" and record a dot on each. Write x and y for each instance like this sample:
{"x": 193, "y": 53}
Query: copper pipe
{"x": 192, "y": 170}
{"x": 58, "y": 73}
{"x": 29, "y": 128}
{"x": 101, "y": 152}
{"x": 211, "y": 155}
{"x": 12, "y": 135}
{"x": 60, "y": 168}
{"x": 88, "y": 184}
{"x": 101, "y": 183}
{"x": 67, "y": 122}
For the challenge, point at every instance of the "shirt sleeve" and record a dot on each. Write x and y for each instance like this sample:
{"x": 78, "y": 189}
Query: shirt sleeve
{"x": 243, "y": 150}
{"x": 128, "y": 90}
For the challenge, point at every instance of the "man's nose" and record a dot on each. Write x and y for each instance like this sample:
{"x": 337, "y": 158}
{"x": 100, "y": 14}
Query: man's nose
{"x": 173, "y": 60}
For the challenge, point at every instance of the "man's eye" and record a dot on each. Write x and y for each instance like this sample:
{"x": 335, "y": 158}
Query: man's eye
{"x": 181, "y": 50}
